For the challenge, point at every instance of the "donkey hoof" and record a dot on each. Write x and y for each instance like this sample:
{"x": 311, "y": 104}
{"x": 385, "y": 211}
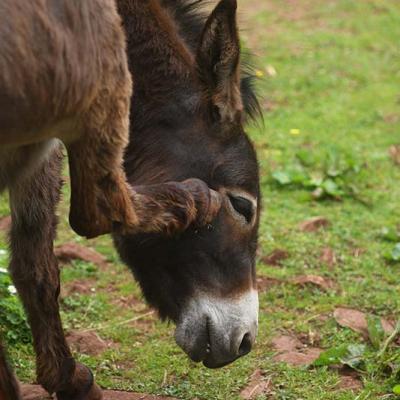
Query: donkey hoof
{"x": 82, "y": 386}
{"x": 95, "y": 393}
{"x": 208, "y": 202}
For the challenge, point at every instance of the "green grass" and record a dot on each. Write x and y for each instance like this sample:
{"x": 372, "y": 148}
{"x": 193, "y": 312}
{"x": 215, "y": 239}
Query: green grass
{"x": 337, "y": 81}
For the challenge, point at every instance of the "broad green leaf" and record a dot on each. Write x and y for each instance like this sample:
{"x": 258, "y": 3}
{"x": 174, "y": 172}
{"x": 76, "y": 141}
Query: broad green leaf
{"x": 332, "y": 356}
{"x": 315, "y": 180}
{"x": 396, "y": 390}
{"x": 299, "y": 177}
{"x": 394, "y": 254}
{"x": 282, "y": 177}
{"x": 351, "y": 355}
{"x": 390, "y": 234}
{"x": 375, "y": 330}
{"x": 306, "y": 157}
{"x": 355, "y": 355}
{"x": 331, "y": 188}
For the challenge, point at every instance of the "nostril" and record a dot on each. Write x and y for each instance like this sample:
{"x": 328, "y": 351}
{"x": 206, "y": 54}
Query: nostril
{"x": 245, "y": 346}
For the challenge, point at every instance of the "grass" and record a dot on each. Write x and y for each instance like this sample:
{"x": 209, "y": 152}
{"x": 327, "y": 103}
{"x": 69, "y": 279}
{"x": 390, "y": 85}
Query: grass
{"x": 336, "y": 86}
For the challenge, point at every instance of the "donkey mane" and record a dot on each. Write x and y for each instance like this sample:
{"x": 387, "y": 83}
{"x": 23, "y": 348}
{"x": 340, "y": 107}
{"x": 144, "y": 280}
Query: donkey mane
{"x": 190, "y": 17}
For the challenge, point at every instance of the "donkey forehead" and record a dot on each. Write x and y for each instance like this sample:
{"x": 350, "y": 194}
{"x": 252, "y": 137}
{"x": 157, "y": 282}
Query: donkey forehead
{"x": 238, "y": 174}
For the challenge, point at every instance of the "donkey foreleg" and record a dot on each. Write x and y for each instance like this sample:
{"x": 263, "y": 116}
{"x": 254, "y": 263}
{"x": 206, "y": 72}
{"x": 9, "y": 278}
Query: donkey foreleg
{"x": 100, "y": 195}
{"x": 35, "y": 274}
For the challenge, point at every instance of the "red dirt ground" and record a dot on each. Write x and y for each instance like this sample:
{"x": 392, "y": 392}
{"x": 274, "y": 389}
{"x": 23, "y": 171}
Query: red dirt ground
{"x": 34, "y": 392}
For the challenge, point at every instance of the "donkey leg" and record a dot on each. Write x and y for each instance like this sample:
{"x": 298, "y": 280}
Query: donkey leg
{"x": 171, "y": 207}
{"x": 35, "y": 274}
{"x": 9, "y": 389}
{"x": 100, "y": 195}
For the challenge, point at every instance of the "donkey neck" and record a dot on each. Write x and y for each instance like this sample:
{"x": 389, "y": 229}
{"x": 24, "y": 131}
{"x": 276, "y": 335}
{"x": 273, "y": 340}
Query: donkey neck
{"x": 158, "y": 57}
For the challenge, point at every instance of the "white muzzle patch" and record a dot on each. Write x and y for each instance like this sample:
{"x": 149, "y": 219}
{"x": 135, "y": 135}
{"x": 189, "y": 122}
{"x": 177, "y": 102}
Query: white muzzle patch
{"x": 216, "y": 328}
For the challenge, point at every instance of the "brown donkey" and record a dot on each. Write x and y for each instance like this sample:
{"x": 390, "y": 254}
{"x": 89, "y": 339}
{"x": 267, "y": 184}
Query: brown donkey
{"x": 64, "y": 74}
{"x": 186, "y": 134}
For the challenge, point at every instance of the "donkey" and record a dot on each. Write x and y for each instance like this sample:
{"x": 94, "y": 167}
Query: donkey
{"x": 187, "y": 115}
{"x": 189, "y": 124}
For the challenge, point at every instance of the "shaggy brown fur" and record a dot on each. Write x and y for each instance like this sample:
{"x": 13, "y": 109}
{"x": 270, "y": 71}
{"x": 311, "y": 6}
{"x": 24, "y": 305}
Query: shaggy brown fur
{"x": 8, "y": 385}
{"x": 63, "y": 73}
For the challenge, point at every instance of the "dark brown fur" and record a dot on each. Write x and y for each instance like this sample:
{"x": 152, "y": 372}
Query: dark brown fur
{"x": 184, "y": 138}
{"x": 8, "y": 385}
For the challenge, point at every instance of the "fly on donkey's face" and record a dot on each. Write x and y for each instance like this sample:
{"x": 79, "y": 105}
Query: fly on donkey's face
{"x": 204, "y": 278}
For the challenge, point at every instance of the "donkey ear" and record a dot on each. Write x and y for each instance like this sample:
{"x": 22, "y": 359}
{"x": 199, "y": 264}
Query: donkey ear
{"x": 218, "y": 59}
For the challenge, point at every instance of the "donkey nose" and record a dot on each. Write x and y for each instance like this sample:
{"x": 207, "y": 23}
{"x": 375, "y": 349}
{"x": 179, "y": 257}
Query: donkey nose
{"x": 245, "y": 345}
{"x": 226, "y": 348}
{"x": 218, "y": 331}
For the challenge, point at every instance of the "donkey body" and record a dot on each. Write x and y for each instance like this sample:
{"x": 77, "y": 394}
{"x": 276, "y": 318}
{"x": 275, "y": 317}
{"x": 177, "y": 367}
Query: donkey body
{"x": 64, "y": 74}
{"x": 186, "y": 136}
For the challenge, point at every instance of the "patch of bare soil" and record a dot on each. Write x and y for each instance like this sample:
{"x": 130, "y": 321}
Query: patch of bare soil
{"x": 265, "y": 282}
{"x": 259, "y": 384}
{"x": 292, "y": 351}
{"x": 116, "y": 395}
{"x": 282, "y": 10}
{"x": 285, "y": 343}
{"x": 88, "y": 342}
{"x": 74, "y": 251}
{"x": 275, "y": 257}
{"x": 145, "y": 324}
{"x": 394, "y": 152}
{"x": 83, "y": 286}
{"x": 145, "y": 321}
{"x": 34, "y": 392}
{"x": 131, "y": 302}
{"x": 307, "y": 357}
{"x": 328, "y": 257}
{"x": 349, "y": 382}
{"x": 314, "y": 280}
{"x": 357, "y": 252}
{"x": 314, "y": 224}
{"x": 391, "y": 118}
{"x": 5, "y": 223}
{"x": 357, "y": 321}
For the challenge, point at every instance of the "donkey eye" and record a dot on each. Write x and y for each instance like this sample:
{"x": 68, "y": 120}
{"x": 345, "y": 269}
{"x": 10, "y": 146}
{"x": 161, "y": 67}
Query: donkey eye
{"x": 242, "y": 206}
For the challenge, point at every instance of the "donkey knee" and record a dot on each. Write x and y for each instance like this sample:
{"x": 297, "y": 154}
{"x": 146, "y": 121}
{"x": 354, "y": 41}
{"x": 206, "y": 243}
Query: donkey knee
{"x": 43, "y": 284}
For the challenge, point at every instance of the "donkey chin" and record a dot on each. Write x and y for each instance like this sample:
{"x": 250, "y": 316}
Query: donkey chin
{"x": 217, "y": 331}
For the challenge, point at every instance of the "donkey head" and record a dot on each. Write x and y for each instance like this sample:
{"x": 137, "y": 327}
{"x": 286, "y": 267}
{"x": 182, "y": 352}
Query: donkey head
{"x": 204, "y": 278}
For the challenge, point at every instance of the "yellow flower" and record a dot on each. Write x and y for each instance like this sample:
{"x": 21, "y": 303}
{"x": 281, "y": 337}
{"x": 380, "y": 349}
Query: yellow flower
{"x": 295, "y": 131}
{"x": 259, "y": 73}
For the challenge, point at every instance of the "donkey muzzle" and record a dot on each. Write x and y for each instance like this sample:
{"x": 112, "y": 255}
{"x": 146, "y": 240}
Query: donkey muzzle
{"x": 217, "y": 331}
